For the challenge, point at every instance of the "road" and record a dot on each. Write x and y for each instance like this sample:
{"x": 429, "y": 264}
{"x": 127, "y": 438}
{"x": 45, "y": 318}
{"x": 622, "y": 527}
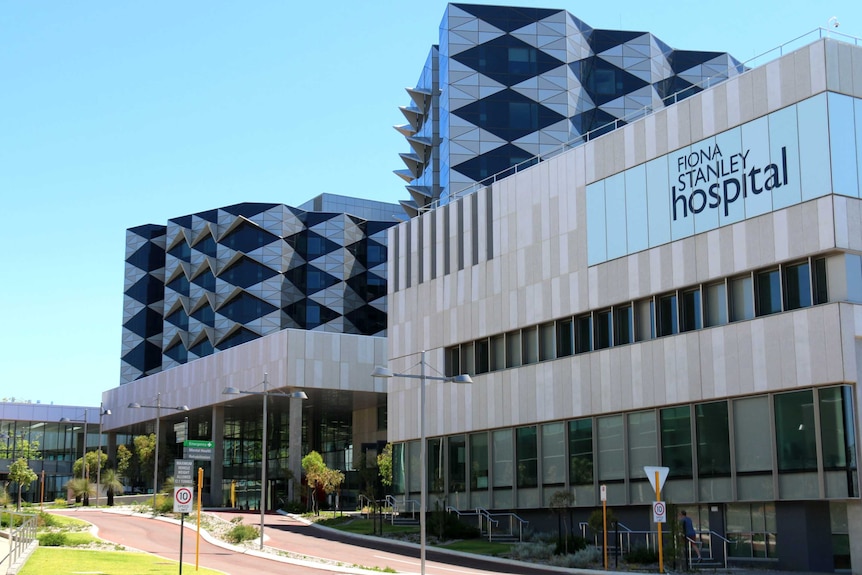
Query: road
{"x": 286, "y": 533}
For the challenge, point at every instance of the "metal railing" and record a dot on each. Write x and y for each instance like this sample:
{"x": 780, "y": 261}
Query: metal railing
{"x": 406, "y": 506}
{"x": 20, "y": 538}
{"x": 510, "y": 521}
{"x": 738, "y": 69}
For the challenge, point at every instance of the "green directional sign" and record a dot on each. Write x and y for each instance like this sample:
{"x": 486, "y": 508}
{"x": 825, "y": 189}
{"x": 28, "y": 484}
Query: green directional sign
{"x": 198, "y": 449}
{"x": 198, "y": 443}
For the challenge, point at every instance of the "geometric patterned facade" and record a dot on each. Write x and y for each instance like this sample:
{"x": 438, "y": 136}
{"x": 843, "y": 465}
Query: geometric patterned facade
{"x": 506, "y": 85}
{"x": 208, "y": 281}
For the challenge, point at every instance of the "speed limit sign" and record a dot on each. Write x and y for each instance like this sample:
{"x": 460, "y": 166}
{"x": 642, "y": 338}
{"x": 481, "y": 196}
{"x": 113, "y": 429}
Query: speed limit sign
{"x": 182, "y": 499}
{"x": 659, "y": 512}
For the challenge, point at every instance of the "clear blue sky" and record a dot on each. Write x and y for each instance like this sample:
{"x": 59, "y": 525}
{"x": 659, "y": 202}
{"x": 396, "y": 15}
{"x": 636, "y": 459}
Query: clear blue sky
{"x": 117, "y": 114}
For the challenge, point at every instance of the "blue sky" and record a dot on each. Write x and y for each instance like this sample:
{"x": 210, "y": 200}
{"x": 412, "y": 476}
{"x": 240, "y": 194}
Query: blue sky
{"x": 117, "y": 114}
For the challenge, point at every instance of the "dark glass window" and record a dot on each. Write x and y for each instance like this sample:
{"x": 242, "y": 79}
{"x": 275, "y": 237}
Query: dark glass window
{"x": 604, "y": 329}
{"x": 178, "y": 353}
{"x": 820, "y": 294}
{"x": 457, "y": 459}
{"x": 715, "y": 305}
{"x": 667, "y": 315}
{"x": 202, "y": 349}
{"x": 247, "y": 237}
{"x": 205, "y": 315}
{"x": 205, "y": 280}
{"x": 435, "y": 465}
{"x": 713, "y": 439}
{"x": 206, "y": 246}
{"x": 181, "y": 251}
{"x": 624, "y": 326}
{"x": 399, "y": 483}
{"x": 741, "y": 299}
{"x": 529, "y": 345}
{"x": 498, "y": 352}
{"x": 581, "y": 451}
{"x": 513, "y": 349}
{"x": 527, "y": 453}
{"x": 547, "y": 341}
{"x": 246, "y": 272}
{"x": 180, "y": 285}
{"x": 245, "y": 308}
{"x": 691, "y": 317}
{"x": 676, "y": 440}
{"x": 768, "y": 290}
{"x": 468, "y": 358}
{"x": 797, "y": 286}
{"x": 179, "y": 319}
{"x": 482, "y": 356}
{"x": 565, "y": 337}
{"x": 645, "y": 325}
{"x": 479, "y": 461}
{"x": 794, "y": 430}
{"x": 837, "y": 431}
{"x": 584, "y": 333}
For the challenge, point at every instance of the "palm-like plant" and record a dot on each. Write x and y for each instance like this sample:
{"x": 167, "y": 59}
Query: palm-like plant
{"x": 112, "y": 484}
{"x": 81, "y": 487}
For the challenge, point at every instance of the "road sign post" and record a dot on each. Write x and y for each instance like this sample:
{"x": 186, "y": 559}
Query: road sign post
{"x": 604, "y": 491}
{"x": 657, "y": 477}
{"x": 198, "y": 450}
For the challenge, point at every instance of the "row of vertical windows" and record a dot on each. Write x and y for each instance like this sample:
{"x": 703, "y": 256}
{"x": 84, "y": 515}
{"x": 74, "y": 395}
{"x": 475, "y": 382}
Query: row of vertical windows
{"x": 780, "y": 288}
{"x": 712, "y": 441}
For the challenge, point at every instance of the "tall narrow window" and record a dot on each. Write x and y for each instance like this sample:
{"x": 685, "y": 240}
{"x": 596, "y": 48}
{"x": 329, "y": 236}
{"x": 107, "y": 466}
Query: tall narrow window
{"x": 453, "y": 361}
{"x": 565, "y": 337}
{"x": 468, "y": 358}
{"x": 498, "y": 352}
{"x": 529, "y": 345}
{"x": 553, "y": 453}
{"x": 581, "y": 451}
{"x": 741, "y": 299}
{"x": 611, "y": 443}
{"x": 604, "y": 329}
{"x": 820, "y": 293}
{"x": 528, "y": 457}
{"x": 768, "y": 290}
{"x": 624, "y": 326}
{"x": 797, "y": 286}
{"x": 715, "y": 305}
{"x": 713, "y": 439}
{"x": 513, "y": 349}
{"x": 676, "y": 440}
{"x": 503, "y": 458}
{"x": 645, "y": 319}
{"x": 483, "y": 360}
{"x": 583, "y": 333}
{"x": 667, "y": 315}
{"x": 690, "y": 318}
{"x": 643, "y": 441}
{"x": 479, "y": 461}
{"x": 547, "y": 341}
{"x": 794, "y": 431}
{"x": 457, "y": 463}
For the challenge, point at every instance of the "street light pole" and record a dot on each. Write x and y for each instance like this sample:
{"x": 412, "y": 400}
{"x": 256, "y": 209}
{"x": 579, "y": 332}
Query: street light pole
{"x": 263, "y": 456}
{"x": 102, "y": 411}
{"x": 384, "y": 372}
{"x": 158, "y": 408}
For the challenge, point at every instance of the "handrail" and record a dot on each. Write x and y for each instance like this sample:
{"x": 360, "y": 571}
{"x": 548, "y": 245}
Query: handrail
{"x": 725, "y": 542}
{"x": 20, "y": 538}
{"x": 740, "y": 67}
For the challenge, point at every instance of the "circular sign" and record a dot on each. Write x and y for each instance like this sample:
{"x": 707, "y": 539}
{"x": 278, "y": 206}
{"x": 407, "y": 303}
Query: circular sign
{"x": 183, "y": 495}
{"x": 658, "y": 507}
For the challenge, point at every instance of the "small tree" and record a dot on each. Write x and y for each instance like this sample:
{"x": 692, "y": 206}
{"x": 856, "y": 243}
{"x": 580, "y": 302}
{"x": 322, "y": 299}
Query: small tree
{"x": 124, "y": 457}
{"x": 21, "y": 473}
{"x": 88, "y": 466}
{"x": 145, "y": 449}
{"x": 80, "y": 487}
{"x": 317, "y": 473}
{"x": 112, "y": 483}
{"x": 384, "y": 465}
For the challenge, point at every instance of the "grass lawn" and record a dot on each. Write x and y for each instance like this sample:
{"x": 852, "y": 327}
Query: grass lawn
{"x": 62, "y": 561}
{"x": 364, "y": 526}
{"x": 68, "y": 522}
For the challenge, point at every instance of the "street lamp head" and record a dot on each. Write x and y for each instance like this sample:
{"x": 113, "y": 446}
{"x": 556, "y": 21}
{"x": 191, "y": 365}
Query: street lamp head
{"x": 463, "y": 378}
{"x": 230, "y": 390}
{"x": 182, "y": 408}
{"x": 105, "y": 412}
{"x": 65, "y": 420}
{"x": 297, "y": 395}
{"x": 380, "y": 371}
{"x": 134, "y": 405}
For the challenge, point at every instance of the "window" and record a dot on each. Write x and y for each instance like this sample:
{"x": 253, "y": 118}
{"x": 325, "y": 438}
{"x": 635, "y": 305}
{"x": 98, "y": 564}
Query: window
{"x": 503, "y": 458}
{"x": 645, "y": 319}
{"x": 768, "y": 292}
{"x": 752, "y": 437}
{"x": 398, "y": 462}
{"x": 741, "y": 299}
{"x": 513, "y": 349}
{"x": 547, "y": 341}
{"x": 836, "y": 428}
{"x": 457, "y": 463}
{"x": 482, "y": 356}
{"x": 795, "y": 432}
{"x": 610, "y": 444}
{"x": 676, "y": 440}
{"x": 624, "y": 328}
{"x": 642, "y": 441}
{"x": 713, "y": 439}
{"x": 530, "y": 345}
{"x": 584, "y": 334}
{"x": 479, "y": 461}
{"x": 498, "y": 352}
{"x": 581, "y": 451}
{"x": 820, "y": 294}
{"x": 691, "y": 318}
{"x": 435, "y": 465}
{"x": 751, "y": 529}
{"x": 715, "y": 305}
{"x": 667, "y": 315}
{"x": 553, "y": 453}
{"x": 604, "y": 329}
{"x": 527, "y": 451}
{"x": 453, "y": 361}
{"x": 797, "y": 286}
{"x": 565, "y": 337}
{"x": 468, "y": 364}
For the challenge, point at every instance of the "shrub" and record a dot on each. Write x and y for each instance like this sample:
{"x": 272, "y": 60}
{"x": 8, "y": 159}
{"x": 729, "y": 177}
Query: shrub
{"x": 642, "y": 555}
{"x": 574, "y": 544}
{"x": 240, "y": 533}
{"x": 46, "y": 520}
{"x": 294, "y": 507}
{"x": 448, "y": 526}
{"x": 587, "y": 557}
{"x": 52, "y": 539}
{"x": 164, "y": 504}
{"x": 60, "y": 502}
{"x": 532, "y": 551}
